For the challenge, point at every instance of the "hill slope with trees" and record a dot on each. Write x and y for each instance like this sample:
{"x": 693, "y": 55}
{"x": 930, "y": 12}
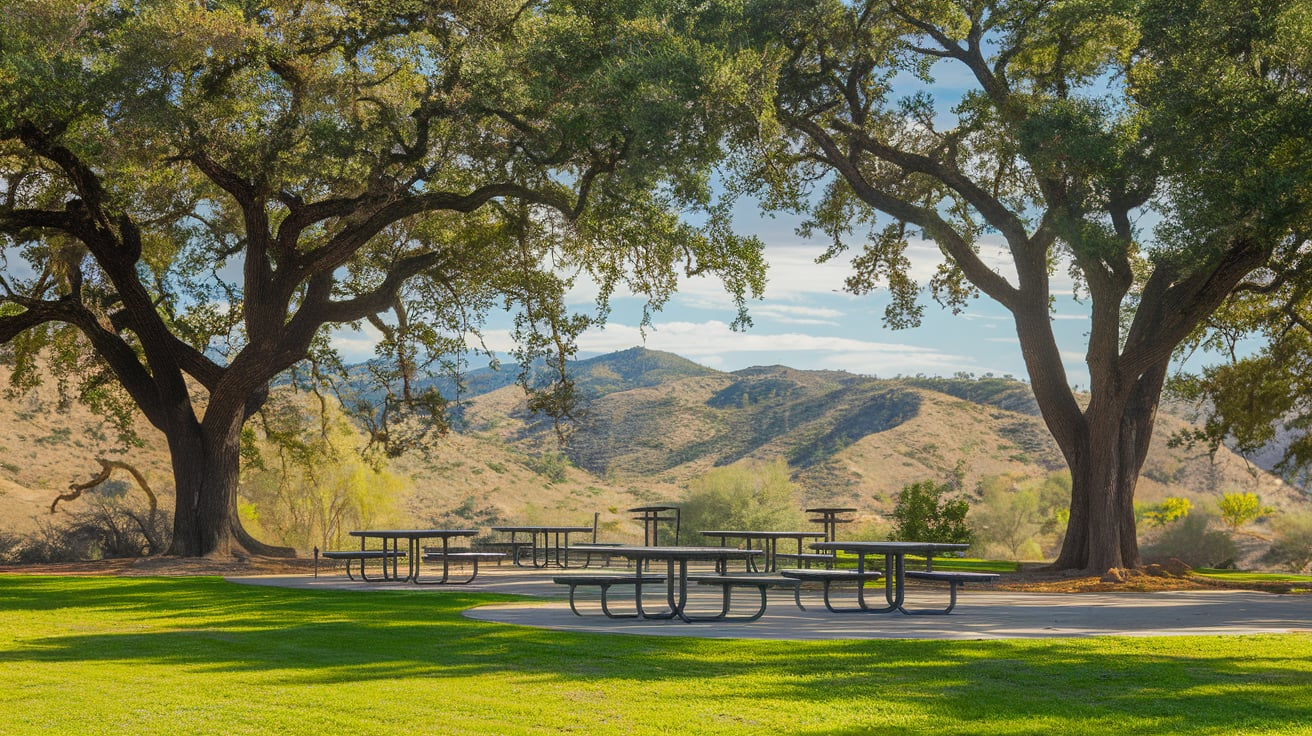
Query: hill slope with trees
{"x": 654, "y": 423}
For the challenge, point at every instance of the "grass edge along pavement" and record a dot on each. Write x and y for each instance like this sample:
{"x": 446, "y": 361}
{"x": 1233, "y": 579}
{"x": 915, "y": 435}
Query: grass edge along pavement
{"x": 200, "y": 655}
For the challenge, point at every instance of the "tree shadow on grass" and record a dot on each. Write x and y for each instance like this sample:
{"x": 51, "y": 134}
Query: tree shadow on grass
{"x": 320, "y": 637}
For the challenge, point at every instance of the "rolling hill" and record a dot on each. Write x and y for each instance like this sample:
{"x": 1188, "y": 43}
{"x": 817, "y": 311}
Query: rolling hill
{"x": 650, "y": 423}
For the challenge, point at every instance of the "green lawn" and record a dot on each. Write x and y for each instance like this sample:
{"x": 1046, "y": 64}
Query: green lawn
{"x": 1253, "y": 577}
{"x": 198, "y": 655}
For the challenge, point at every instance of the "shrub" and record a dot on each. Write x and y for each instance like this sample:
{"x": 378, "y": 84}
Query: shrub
{"x": 1194, "y": 542}
{"x": 550, "y": 465}
{"x": 109, "y": 528}
{"x": 1238, "y": 509}
{"x": 924, "y": 514}
{"x": 1292, "y": 547}
{"x": 1170, "y": 509}
{"x": 756, "y": 496}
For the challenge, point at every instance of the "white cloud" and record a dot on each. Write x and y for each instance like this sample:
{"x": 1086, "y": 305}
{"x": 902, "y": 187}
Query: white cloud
{"x": 714, "y": 343}
{"x": 356, "y": 346}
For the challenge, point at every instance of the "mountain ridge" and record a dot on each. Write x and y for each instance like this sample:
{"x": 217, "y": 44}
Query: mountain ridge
{"x": 651, "y": 423}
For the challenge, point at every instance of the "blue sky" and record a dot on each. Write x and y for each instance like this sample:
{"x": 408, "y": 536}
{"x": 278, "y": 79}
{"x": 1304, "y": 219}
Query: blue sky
{"x": 806, "y": 320}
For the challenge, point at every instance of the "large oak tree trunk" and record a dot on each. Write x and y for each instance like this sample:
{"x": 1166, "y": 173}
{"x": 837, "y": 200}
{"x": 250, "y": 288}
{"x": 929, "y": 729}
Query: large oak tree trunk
{"x": 206, "y": 471}
{"x": 1105, "y": 459}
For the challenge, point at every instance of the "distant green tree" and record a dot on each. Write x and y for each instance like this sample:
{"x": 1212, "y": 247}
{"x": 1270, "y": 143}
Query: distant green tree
{"x": 1019, "y": 517}
{"x": 1238, "y": 509}
{"x": 1008, "y": 517}
{"x": 927, "y": 512}
{"x": 752, "y": 495}
{"x": 306, "y": 483}
{"x": 1170, "y": 509}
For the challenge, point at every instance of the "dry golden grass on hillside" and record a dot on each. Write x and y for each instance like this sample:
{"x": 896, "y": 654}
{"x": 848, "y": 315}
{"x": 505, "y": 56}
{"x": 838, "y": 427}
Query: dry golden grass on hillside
{"x": 651, "y": 441}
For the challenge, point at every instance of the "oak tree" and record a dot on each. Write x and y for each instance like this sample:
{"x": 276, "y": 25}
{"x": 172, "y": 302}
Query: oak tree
{"x": 194, "y": 194}
{"x": 1154, "y": 149}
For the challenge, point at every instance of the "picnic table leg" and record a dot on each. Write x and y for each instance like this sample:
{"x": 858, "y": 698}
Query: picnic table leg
{"x": 888, "y": 586}
{"x": 446, "y": 564}
{"x": 678, "y": 606}
{"x": 899, "y": 586}
{"x": 515, "y": 551}
{"x": 675, "y": 608}
{"x": 726, "y": 604}
{"x": 605, "y": 607}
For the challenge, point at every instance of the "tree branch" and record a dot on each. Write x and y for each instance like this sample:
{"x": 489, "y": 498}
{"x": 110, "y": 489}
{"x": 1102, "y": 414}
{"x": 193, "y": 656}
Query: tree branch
{"x": 935, "y": 226}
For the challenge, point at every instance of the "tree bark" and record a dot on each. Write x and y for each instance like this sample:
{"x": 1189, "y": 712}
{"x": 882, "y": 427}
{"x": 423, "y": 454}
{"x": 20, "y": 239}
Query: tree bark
{"x": 1105, "y": 460}
{"x": 206, "y": 471}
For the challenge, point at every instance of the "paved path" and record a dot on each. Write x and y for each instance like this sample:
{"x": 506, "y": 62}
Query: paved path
{"x": 980, "y": 613}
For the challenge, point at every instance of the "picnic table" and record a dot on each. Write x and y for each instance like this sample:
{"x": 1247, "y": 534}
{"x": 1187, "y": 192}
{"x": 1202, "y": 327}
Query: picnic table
{"x": 651, "y": 517}
{"x": 830, "y": 518}
{"x": 676, "y": 559}
{"x": 767, "y": 542}
{"x": 553, "y": 548}
{"x": 895, "y": 572}
{"x": 391, "y": 543}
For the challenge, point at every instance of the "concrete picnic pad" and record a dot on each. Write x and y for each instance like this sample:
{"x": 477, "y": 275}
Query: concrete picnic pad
{"x": 981, "y": 613}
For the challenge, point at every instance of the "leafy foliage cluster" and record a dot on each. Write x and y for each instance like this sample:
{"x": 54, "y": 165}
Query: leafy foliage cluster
{"x": 307, "y": 482}
{"x": 1238, "y": 509}
{"x": 931, "y": 512}
{"x": 747, "y": 495}
{"x": 1021, "y": 519}
{"x": 1172, "y": 508}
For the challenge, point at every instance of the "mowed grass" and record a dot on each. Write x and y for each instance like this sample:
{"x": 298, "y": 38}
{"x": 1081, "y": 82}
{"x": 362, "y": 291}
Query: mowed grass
{"x": 1253, "y": 577}
{"x": 202, "y": 656}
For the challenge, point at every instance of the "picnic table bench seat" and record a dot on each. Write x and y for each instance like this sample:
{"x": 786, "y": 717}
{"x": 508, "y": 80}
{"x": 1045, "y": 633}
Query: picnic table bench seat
{"x": 462, "y": 556}
{"x": 829, "y": 577}
{"x": 806, "y": 558}
{"x": 604, "y": 583}
{"x": 761, "y": 582}
{"x": 954, "y": 579}
{"x": 513, "y": 550}
{"x": 600, "y": 549}
{"x": 360, "y": 555}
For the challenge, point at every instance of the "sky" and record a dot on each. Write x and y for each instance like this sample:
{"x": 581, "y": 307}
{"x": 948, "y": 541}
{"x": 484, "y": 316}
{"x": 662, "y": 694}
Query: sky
{"x": 806, "y": 320}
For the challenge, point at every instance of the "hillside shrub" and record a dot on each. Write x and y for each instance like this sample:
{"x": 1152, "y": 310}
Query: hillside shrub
{"x": 1010, "y": 518}
{"x": 1171, "y": 508}
{"x": 109, "y": 527}
{"x": 928, "y": 512}
{"x": 750, "y": 495}
{"x": 550, "y": 465}
{"x": 1292, "y": 544}
{"x": 1195, "y": 542}
{"x": 1238, "y": 509}
{"x": 10, "y": 542}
